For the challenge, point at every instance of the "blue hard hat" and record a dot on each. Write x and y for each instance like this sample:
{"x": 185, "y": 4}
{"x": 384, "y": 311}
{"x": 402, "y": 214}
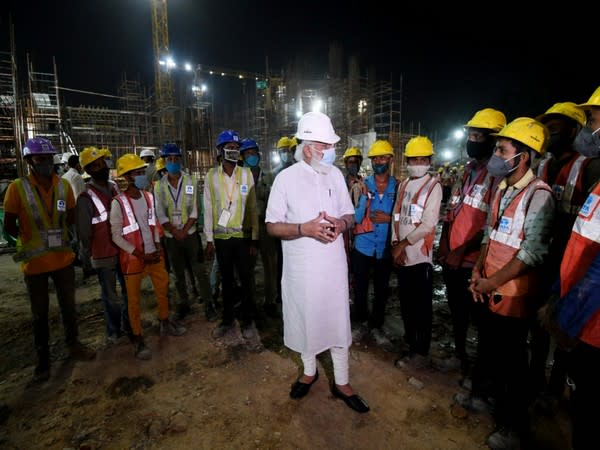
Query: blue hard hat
{"x": 170, "y": 149}
{"x": 38, "y": 146}
{"x": 247, "y": 144}
{"x": 227, "y": 136}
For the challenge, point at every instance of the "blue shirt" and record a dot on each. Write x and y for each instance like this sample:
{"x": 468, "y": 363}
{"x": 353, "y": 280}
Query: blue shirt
{"x": 377, "y": 242}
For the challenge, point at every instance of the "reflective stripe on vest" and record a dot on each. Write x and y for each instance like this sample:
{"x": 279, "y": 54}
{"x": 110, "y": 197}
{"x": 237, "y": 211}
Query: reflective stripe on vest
{"x": 131, "y": 220}
{"x": 102, "y": 213}
{"x": 218, "y": 188}
{"x": 587, "y": 223}
{"x": 38, "y": 245}
{"x": 566, "y": 202}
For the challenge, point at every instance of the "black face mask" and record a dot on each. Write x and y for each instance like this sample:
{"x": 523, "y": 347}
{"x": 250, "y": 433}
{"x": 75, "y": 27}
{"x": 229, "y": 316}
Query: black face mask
{"x": 479, "y": 150}
{"x": 559, "y": 143}
{"x": 352, "y": 169}
{"x": 100, "y": 175}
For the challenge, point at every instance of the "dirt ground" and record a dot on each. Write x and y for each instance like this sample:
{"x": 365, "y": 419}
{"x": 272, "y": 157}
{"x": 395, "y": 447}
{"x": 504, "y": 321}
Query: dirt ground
{"x": 199, "y": 393}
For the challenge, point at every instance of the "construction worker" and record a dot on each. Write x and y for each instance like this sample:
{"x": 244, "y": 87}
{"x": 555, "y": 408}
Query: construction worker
{"x": 73, "y": 176}
{"x": 371, "y": 250}
{"x": 462, "y": 231}
{"x": 268, "y": 252}
{"x": 285, "y": 154}
{"x": 508, "y": 276}
{"x": 447, "y": 181}
{"x": 309, "y": 207}
{"x": 353, "y": 161}
{"x": 175, "y": 196}
{"x": 148, "y": 157}
{"x": 416, "y": 214}
{"x": 38, "y": 210}
{"x": 134, "y": 231}
{"x": 571, "y": 177}
{"x": 578, "y": 317}
{"x": 93, "y": 229}
{"x": 231, "y": 230}
{"x": 587, "y": 141}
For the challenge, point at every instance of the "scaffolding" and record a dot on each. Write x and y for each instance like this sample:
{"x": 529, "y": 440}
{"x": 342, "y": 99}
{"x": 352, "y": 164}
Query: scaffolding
{"x": 9, "y": 122}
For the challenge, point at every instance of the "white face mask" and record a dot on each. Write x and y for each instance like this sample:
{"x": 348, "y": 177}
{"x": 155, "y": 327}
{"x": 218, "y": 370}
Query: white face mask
{"x": 417, "y": 171}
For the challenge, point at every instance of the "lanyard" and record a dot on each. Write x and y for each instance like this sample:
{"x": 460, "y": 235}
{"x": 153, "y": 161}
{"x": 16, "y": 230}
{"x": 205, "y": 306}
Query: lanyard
{"x": 228, "y": 191}
{"x": 176, "y": 199}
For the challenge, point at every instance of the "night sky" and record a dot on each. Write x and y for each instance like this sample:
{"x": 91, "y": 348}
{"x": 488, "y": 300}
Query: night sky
{"x": 507, "y": 59}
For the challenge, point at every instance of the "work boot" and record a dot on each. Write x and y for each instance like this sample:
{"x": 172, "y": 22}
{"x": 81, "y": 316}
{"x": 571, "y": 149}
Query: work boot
{"x": 80, "y": 352}
{"x": 221, "y": 330}
{"x": 141, "y": 351}
{"x": 172, "y": 328}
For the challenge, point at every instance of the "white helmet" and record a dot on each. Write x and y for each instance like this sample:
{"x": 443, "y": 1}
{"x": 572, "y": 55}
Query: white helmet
{"x": 146, "y": 152}
{"x": 316, "y": 126}
{"x": 56, "y": 159}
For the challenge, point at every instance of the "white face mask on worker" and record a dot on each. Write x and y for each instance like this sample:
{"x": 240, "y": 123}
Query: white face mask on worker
{"x": 417, "y": 171}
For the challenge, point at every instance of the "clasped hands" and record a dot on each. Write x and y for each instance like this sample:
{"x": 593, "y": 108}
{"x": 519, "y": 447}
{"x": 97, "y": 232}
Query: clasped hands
{"x": 324, "y": 228}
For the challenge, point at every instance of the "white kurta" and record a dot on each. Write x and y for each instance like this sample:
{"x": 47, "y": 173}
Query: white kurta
{"x": 314, "y": 286}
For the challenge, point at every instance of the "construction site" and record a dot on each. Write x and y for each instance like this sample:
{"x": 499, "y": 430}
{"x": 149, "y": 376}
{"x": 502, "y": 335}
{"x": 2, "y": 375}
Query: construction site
{"x": 181, "y": 107}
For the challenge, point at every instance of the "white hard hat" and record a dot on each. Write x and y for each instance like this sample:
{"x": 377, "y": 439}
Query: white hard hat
{"x": 316, "y": 126}
{"x": 146, "y": 152}
{"x": 65, "y": 157}
{"x": 56, "y": 159}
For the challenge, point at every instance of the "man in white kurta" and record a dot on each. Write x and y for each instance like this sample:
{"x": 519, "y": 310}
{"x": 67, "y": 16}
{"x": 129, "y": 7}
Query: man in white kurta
{"x": 309, "y": 208}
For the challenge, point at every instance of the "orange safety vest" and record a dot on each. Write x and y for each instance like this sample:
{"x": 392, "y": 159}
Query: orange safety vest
{"x": 504, "y": 243}
{"x": 131, "y": 264}
{"x": 568, "y": 186}
{"x": 582, "y": 248}
{"x": 419, "y": 200}
{"x": 467, "y": 215}
{"x": 102, "y": 244}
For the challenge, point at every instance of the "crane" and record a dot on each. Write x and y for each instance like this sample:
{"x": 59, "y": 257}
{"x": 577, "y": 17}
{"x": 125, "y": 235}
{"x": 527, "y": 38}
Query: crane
{"x": 163, "y": 82}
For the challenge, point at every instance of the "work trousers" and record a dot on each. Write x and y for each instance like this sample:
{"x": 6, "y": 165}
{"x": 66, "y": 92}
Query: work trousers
{"x": 116, "y": 318}
{"x": 233, "y": 257}
{"x": 361, "y": 270}
{"x": 160, "y": 281}
{"x": 37, "y": 288}
{"x": 415, "y": 284}
{"x": 463, "y": 309}
{"x": 268, "y": 255}
{"x": 182, "y": 253}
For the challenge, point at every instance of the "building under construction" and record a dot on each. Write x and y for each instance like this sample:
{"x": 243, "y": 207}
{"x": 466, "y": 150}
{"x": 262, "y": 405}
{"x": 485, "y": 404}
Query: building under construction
{"x": 182, "y": 107}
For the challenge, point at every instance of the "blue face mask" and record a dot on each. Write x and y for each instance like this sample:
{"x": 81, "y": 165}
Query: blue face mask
{"x": 285, "y": 157}
{"x": 141, "y": 182}
{"x": 328, "y": 156}
{"x": 173, "y": 167}
{"x": 381, "y": 168}
{"x": 252, "y": 161}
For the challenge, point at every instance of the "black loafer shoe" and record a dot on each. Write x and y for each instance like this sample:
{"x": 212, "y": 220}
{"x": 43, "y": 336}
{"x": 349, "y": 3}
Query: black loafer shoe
{"x": 355, "y": 402}
{"x": 300, "y": 389}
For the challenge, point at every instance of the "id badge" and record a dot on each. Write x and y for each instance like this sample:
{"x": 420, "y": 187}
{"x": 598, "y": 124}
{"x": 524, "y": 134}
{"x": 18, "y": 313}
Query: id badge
{"x": 54, "y": 238}
{"x": 189, "y": 189}
{"x": 416, "y": 213}
{"x": 224, "y": 218}
{"x": 244, "y": 189}
{"x": 589, "y": 205}
{"x": 176, "y": 218}
{"x": 505, "y": 224}
{"x": 61, "y": 205}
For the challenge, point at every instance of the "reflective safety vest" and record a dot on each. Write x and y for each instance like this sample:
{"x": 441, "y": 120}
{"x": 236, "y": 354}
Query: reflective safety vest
{"x": 131, "y": 264}
{"x": 467, "y": 212}
{"x": 568, "y": 186}
{"x": 417, "y": 206}
{"x": 221, "y": 201}
{"x": 102, "y": 244}
{"x": 514, "y": 298}
{"x": 582, "y": 248}
{"x": 48, "y": 234}
{"x": 178, "y": 209}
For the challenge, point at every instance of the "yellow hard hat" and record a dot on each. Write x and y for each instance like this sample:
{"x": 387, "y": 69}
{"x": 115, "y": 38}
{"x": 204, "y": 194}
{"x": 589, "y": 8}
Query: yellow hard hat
{"x": 380, "y": 148}
{"x": 528, "y": 131}
{"x": 283, "y": 142}
{"x": 159, "y": 164}
{"x": 352, "y": 151}
{"x": 567, "y": 109}
{"x": 440, "y": 170}
{"x": 129, "y": 162}
{"x": 88, "y": 155}
{"x": 593, "y": 101}
{"x": 293, "y": 142}
{"x": 106, "y": 153}
{"x": 488, "y": 118}
{"x": 418, "y": 146}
